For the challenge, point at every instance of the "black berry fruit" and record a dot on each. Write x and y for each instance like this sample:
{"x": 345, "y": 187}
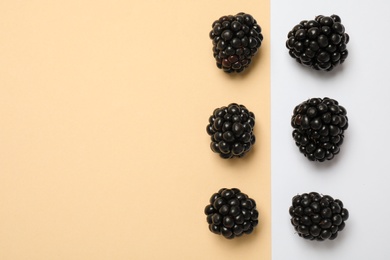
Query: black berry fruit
{"x": 319, "y": 126}
{"x": 317, "y": 217}
{"x": 231, "y": 213}
{"x": 320, "y": 43}
{"x": 236, "y": 39}
{"x": 231, "y": 131}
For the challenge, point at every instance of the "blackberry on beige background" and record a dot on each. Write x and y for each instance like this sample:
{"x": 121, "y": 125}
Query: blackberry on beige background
{"x": 231, "y": 131}
{"x": 231, "y": 213}
{"x": 319, "y": 126}
{"x": 320, "y": 43}
{"x": 317, "y": 217}
{"x": 236, "y": 39}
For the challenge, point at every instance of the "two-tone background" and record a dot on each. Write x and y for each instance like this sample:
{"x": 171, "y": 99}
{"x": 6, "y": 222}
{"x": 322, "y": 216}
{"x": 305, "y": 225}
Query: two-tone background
{"x": 103, "y": 146}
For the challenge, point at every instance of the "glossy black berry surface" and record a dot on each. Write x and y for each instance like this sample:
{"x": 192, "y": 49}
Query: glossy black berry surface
{"x": 231, "y": 131}
{"x": 231, "y": 213}
{"x": 319, "y": 126}
{"x": 236, "y": 39}
{"x": 320, "y": 43}
{"x": 317, "y": 217}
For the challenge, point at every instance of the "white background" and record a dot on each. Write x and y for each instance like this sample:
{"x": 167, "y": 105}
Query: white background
{"x": 359, "y": 175}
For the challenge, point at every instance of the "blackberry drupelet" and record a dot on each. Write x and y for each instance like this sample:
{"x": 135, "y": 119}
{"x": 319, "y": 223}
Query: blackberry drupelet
{"x": 319, "y": 126}
{"x": 231, "y": 213}
{"x": 320, "y": 43}
{"x": 317, "y": 217}
{"x": 236, "y": 39}
{"x": 231, "y": 131}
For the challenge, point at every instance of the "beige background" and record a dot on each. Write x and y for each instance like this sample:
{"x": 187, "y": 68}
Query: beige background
{"x": 103, "y": 148}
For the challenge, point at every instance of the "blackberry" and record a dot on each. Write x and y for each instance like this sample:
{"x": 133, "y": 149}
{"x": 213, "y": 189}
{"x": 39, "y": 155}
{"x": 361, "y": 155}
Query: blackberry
{"x": 317, "y": 217}
{"x": 231, "y": 213}
{"x": 231, "y": 130}
{"x": 320, "y": 43}
{"x": 319, "y": 126}
{"x": 236, "y": 39}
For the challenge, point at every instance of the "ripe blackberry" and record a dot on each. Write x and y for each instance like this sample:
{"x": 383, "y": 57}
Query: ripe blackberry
{"x": 231, "y": 213}
{"x": 320, "y": 43}
{"x": 317, "y": 217}
{"x": 236, "y": 39}
{"x": 231, "y": 130}
{"x": 319, "y": 126}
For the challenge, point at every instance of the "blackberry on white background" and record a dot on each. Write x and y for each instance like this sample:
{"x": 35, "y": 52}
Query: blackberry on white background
{"x": 317, "y": 217}
{"x": 236, "y": 39}
{"x": 231, "y": 131}
{"x": 319, "y": 126}
{"x": 231, "y": 213}
{"x": 320, "y": 43}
